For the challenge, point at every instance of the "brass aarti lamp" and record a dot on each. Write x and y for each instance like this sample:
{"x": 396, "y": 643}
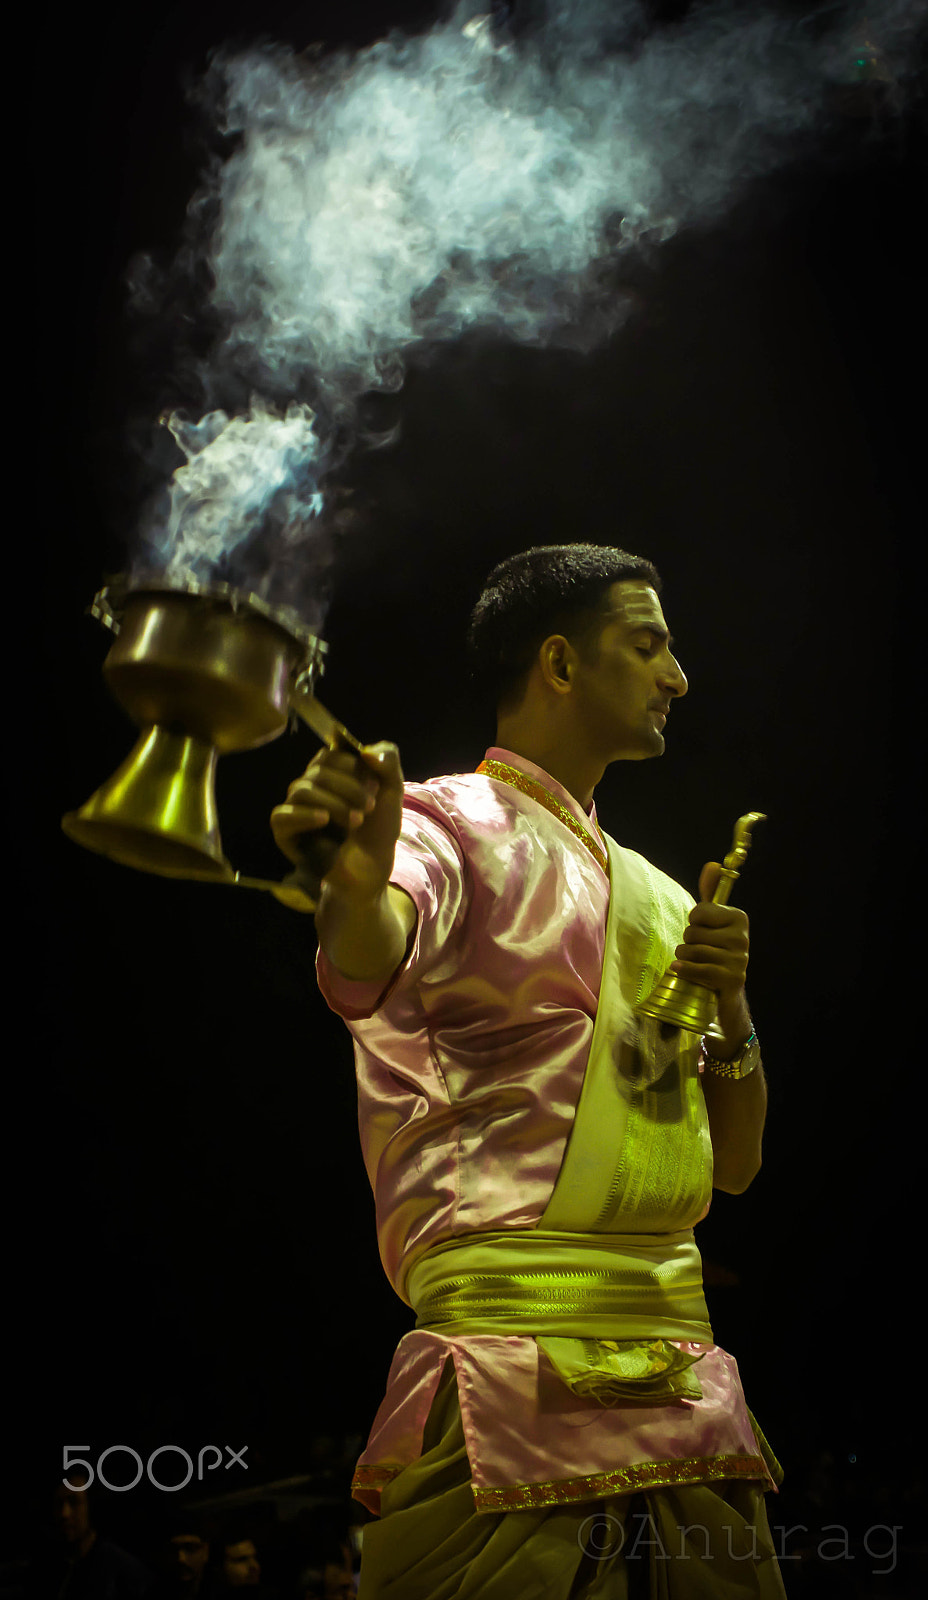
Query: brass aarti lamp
{"x": 677, "y": 1001}
{"x": 202, "y": 669}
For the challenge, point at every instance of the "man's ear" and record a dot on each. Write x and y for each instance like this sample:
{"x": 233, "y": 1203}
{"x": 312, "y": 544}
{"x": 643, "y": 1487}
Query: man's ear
{"x": 556, "y": 659}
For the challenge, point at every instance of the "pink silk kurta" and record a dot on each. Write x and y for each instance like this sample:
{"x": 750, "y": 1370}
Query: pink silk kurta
{"x": 469, "y": 1067}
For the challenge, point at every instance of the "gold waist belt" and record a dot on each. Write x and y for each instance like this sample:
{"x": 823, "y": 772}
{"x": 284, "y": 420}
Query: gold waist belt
{"x": 602, "y": 1307}
{"x": 607, "y": 1285}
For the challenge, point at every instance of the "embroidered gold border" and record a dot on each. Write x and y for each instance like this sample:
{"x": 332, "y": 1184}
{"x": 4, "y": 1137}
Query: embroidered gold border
{"x": 373, "y": 1477}
{"x": 537, "y": 791}
{"x": 568, "y": 1491}
{"x": 624, "y": 1480}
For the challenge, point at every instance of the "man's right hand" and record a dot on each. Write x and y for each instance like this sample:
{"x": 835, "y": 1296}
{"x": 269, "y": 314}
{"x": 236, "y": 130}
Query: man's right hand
{"x": 363, "y": 796}
{"x": 364, "y": 922}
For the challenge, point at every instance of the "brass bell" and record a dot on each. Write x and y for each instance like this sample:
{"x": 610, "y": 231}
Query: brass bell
{"x": 676, "y": 1000}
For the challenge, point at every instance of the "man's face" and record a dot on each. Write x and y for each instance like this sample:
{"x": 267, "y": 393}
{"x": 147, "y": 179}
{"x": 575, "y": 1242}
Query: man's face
{"x": 71, "y": 1513}
{"x": 624, "y": 686}
{"x": 339, "y": 1583}
{"x": 189, "y": 1555}
{"x": 241, "y": 1566}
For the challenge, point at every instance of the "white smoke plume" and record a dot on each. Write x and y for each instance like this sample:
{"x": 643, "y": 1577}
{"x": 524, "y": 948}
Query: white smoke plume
{"x": 399, "y": 195}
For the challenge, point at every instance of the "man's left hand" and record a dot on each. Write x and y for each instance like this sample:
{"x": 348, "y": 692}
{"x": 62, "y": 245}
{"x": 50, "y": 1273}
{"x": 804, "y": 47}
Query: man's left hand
{"x": 715, "y": 951}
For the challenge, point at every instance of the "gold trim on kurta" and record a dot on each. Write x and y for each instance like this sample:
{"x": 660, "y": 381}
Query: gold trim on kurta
{"x": 623, "y": 1480}
{"x": 537, "y": 791}
{"x": 569, "y": 1491}
{"x": 373, "y": 1477}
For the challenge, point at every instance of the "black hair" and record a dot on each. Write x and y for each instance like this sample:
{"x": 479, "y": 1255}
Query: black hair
{"x": 237, "y": 1530}
{"x": 177, "y": 1522}
{"x": 552, "y": 588}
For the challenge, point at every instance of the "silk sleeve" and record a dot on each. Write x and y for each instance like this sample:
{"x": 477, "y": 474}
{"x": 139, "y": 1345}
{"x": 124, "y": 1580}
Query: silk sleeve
{"x": 430, "y": 865}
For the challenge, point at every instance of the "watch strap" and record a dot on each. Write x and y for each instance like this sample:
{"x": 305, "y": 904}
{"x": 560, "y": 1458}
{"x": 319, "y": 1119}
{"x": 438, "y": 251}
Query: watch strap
{"x": 741, "y": 1065}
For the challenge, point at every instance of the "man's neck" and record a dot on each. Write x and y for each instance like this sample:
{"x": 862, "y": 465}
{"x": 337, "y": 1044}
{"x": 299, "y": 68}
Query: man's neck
{"x": 576, "y": 772}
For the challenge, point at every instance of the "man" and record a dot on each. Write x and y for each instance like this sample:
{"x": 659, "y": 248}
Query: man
{"x": 238, "y": 1554}
{"x": 560, "y": 1422}
{"x": 81, "y": 1565}
{"x": 183, "y": 1557}
{"x": 329, "y": 1577}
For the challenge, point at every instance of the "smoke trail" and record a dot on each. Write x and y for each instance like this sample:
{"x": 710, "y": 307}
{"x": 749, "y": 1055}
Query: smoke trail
{"x": 389, "y": 198}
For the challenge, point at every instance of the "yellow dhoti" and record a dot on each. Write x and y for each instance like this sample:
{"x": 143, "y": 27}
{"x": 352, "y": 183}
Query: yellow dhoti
{"x": 695, "y": 1542}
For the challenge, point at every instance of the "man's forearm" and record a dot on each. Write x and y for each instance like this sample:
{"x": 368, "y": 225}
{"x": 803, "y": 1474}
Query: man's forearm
{"x": 737, "y": 1107}
{"x": 737, "y": 1110}
{"x": 365, "y": 940}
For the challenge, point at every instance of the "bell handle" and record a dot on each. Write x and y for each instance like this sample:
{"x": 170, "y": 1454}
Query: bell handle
{"x": 737, "y": 855}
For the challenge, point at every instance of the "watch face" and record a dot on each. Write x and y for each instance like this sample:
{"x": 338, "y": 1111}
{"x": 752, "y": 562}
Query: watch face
{"x": 750, "y": 1058}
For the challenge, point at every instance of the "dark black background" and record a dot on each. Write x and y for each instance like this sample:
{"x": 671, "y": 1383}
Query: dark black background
{"x": 193, "y": 1233}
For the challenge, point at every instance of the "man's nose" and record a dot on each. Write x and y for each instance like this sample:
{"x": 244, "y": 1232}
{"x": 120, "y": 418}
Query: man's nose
{"x": 673, "y": 678}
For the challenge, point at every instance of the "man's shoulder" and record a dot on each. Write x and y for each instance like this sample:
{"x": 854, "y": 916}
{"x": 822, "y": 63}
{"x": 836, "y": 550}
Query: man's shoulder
{"x": 111, "y": 1571}
{"x": 453, "y": 795}
{"x": 457, "y": 811}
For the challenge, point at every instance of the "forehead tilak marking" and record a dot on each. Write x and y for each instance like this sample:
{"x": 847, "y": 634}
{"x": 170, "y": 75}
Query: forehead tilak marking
{"x": 640, "y": 611}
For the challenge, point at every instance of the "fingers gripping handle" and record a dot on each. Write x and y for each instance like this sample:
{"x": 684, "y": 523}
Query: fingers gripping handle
{"x": 318, "y": 848}
{"x": 318, "y": 851}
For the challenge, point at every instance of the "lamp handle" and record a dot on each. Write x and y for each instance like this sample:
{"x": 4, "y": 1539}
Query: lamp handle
{"x": 317, "y": 853}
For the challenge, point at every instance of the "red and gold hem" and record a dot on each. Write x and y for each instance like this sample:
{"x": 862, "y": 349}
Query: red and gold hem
{"x": 373, "y": 1477}
{"x": 567, "y": 1491}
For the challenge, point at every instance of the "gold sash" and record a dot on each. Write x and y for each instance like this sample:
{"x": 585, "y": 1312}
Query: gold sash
{"x": 577, "y": 1284}
{"x": 639, "y": 1155}
{"x": 614, "y": 1253}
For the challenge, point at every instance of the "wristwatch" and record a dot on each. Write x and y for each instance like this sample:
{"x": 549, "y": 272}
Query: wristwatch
{"x": 740, "y": 1065}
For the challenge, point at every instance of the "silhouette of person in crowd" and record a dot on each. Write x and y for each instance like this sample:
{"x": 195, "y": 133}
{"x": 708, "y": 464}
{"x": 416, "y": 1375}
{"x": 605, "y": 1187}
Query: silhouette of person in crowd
{"x": 328, "y": 1574}
{"x": 238, "y": 1561}
{"x": 78, "y": 1564}
{"x": 182, "y": 1556}
{"x": 240, "y": 1565}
